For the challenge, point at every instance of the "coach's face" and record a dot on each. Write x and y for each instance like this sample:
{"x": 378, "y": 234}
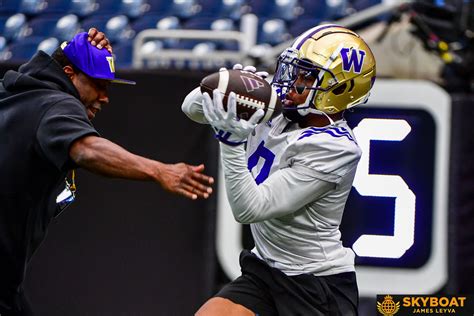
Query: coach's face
{"x": 93, "y": 93}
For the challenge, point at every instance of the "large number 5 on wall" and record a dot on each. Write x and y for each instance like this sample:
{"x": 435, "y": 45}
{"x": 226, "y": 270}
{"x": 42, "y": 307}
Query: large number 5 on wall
{"x": 384, "y": 246}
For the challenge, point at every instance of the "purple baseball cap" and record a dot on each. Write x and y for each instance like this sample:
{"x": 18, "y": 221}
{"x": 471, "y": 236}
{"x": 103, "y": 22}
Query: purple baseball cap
{"x": 94, "y": 62}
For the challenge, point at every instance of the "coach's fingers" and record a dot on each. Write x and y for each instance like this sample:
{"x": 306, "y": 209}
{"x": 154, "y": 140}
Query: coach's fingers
{"x": 200, "y": 176}
{"x": 91, "y": 33}
{"x": 99, "y": 39}
{"x": 191, "y": 190}
{"x": 187, "y": 192}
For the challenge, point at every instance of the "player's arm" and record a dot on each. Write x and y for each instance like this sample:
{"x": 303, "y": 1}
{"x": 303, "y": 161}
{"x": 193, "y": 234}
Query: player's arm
{"x": 192, "y": 106}
{"x": 102, "y": 156}
{"x": 284, "y": 192}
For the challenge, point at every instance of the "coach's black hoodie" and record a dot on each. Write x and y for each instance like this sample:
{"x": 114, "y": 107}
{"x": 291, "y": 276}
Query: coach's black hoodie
{"x": 40, "y": 116}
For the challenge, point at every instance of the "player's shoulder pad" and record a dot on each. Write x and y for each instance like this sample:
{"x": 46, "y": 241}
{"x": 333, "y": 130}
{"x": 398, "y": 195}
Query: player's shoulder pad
{"x": 327, "y": 150}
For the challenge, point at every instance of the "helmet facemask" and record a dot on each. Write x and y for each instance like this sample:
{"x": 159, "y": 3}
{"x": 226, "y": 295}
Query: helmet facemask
{"x": 290, "y": 67}
{"x": 299, "y": 74}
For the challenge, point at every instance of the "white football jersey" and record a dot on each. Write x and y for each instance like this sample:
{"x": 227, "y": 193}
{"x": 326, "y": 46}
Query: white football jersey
{"x": 295, "y": 193}
{"x": 308, "y": 239}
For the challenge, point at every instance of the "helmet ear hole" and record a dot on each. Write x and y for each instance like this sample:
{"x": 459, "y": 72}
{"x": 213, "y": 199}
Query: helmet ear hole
{"x": 340, "y": 90}
{"x": 351, "y": 87}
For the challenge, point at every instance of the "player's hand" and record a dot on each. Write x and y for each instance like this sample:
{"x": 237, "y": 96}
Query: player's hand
{"x": 98, "y": 39}
{"x": 186, "y": 180}
{"x": 252, "y": 69}
{"x": 229, "y": 129}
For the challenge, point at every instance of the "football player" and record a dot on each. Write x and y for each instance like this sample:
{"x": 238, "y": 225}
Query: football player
{"x": 291, "y": 180}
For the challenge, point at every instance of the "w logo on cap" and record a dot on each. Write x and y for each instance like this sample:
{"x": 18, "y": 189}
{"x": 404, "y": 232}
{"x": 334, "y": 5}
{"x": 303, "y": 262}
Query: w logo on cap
{"x": 355, "y": 60}
{"x": 251, "y": 84}
{"x": 110, "y": 59}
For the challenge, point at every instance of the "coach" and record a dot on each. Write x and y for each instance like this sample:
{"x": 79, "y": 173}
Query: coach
{"x": 45, "y": 133}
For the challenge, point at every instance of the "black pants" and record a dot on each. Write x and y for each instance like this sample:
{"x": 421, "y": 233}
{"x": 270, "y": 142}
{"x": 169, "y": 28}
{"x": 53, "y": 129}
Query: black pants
{"x": 268, "y": 291}
{"x": 15, "y": 304}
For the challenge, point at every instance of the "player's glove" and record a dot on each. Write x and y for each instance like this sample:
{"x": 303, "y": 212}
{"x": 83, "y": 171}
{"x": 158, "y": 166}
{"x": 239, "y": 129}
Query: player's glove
{"x": 229, "y": 129}
{"x": 252, "y": 69}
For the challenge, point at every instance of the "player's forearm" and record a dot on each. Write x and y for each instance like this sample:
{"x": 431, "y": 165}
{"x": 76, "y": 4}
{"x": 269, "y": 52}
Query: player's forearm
{"x": 275, "y": 197}
{"x": 104, "y": 157}
{"x": 250, "y": 203}
{"x": 192, "y": 106}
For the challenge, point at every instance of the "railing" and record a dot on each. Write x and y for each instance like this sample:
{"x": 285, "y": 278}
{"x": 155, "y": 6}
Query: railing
{"x": 246, "y": 39}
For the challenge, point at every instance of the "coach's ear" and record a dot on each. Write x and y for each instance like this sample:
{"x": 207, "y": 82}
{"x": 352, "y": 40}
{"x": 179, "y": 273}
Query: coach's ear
{"x": 69, "y": 71}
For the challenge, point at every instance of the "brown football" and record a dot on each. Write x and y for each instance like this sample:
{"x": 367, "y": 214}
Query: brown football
{"x": 252, "y": 92}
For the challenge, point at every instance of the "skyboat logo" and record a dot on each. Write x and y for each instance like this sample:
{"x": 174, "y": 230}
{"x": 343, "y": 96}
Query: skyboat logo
{"x": 389, "y": 305}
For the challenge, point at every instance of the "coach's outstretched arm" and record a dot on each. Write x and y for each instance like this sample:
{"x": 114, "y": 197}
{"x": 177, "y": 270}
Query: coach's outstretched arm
{"x": 104, "y": 157}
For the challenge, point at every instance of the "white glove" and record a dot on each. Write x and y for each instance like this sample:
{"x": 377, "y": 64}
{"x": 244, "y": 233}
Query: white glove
{"x": 229, "y": 129}
{"x": 252, "y": 69}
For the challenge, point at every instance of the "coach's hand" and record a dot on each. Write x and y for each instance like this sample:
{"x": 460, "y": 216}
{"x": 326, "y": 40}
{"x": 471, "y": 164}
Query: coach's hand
{"x": 186, "y": 180}
{"x": 98, "y": 39}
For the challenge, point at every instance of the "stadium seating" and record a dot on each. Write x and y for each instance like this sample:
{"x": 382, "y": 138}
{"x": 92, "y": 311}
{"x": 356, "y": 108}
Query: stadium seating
{"x": 61, "y": 27}
{"x": 232, "y": 9}
{"x": 107, "y": 7}
{"x": 359, "y": 5}
{"x": 97, "y": 21}
{"x": 43, "y": 25}
{"x": 182, "y": 9}
{"x": 134, "y": 8}
{"x": 61, "y": 7}
{"x": 148, "y": 21}
{"x": 123, "y": 53}
{"x": 15, "y": 28}
{"x": 66, "y": 27}
{"x": 272, "y": 31}
{"x": 9, "y": 7}
{"x": 32, "y": 7}
{"x": 49, "y": 45}
{"x": 24, "y": 49}
{"x": 301, "y": 25}
{"x": 3, "y": 20}
{"x": 118, "y": 29}
{"x": 287, "y": 10}
{"x": 3, "y": 43}
{"x": 35, "y": 21}
{"x": 83, "y": 8}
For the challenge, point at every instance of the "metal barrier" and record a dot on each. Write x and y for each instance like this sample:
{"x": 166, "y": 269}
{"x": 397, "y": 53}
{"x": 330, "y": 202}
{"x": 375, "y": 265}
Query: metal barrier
{"x": 246, "y": 39}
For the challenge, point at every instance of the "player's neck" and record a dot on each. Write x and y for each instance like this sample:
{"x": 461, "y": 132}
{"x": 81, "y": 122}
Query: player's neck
{"x": 318, "y": 120}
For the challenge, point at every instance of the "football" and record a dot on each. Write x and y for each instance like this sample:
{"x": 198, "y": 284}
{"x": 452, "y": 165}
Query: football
{"x": 252, "y": 92}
